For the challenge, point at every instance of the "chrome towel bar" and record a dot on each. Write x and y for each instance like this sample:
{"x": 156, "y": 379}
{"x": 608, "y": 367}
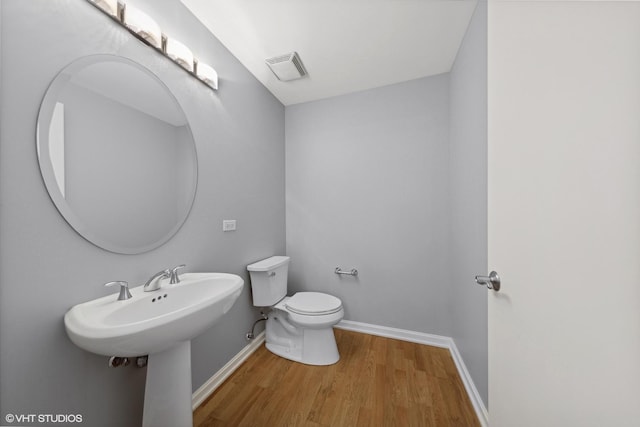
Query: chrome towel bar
{"x": 353, "y": 271}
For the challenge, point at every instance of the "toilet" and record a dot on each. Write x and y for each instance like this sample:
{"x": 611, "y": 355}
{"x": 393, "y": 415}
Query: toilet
{"x": 299, "y": 327}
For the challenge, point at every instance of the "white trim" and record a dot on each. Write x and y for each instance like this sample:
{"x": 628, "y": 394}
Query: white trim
{"x": 206, "y": 389}
{"x": 399, "y": 334}
{"x": 432, "y": 340}
{"x": 472, "y": 391}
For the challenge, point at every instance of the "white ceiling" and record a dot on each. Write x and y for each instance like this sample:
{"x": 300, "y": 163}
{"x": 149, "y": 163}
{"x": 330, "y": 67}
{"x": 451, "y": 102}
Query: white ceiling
{"x": 345, "y": 45}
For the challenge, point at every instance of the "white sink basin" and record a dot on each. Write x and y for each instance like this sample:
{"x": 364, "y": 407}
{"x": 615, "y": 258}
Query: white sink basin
{"x": 161, "y": 324}
{"x": 151, "y": 322}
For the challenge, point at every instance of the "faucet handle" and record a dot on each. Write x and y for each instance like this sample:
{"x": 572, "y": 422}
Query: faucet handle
{"x": 174, "y": 274}
{"x": 124, "y": 289}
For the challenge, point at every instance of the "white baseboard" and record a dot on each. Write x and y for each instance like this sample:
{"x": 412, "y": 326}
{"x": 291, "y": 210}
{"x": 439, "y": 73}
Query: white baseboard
{"x": 399, "y": 334}
{"x": 472, "y": 391}
{"x": 206, "y": 389}
{"x": 432, "y": 340}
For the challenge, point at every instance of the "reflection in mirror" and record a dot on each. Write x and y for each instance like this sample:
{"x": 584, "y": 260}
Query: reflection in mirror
{"x": 116, "y": 154}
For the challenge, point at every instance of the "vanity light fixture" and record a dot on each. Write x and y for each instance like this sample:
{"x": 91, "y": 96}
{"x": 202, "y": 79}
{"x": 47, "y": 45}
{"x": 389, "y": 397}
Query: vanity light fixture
{"x": 108, "y": 6}
{"x": 207, "y": 74}
{"x": 179, "y": 53}
{"x": 146, "y": 29}
{"x": 143, "y": 25}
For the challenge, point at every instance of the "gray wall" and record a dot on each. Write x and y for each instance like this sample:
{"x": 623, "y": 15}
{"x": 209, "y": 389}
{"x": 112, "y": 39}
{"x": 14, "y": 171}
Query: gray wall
{"x": 45, "y": 267}
{"x": 468, "y": 179}
{"x": 367, "y": 187}
{"x": 392, "y": 181}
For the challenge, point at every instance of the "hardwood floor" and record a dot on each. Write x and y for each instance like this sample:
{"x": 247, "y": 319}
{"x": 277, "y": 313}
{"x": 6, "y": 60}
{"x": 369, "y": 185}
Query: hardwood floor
{"x": 377, "y": 382}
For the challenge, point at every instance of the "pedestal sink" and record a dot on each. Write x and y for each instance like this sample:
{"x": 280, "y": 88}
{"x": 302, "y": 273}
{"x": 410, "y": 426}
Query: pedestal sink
{"x": 160, "y": 324}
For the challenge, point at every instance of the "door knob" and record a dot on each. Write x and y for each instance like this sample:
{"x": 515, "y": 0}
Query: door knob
{"x": 492, "y": 281}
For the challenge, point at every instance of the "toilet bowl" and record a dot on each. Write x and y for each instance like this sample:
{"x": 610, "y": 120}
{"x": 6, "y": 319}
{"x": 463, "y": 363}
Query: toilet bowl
{"x": 299, "y": 327}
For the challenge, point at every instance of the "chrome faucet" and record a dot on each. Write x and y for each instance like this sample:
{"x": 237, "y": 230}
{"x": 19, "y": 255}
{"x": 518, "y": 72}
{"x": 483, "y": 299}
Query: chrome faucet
{"x": 124, "y": 289}
{"x": 153, "y": 284}
{"x": 174, "y": 274}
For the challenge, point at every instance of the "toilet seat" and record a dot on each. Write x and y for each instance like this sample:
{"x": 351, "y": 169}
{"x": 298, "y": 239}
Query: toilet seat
{"x": 313, "y": 304}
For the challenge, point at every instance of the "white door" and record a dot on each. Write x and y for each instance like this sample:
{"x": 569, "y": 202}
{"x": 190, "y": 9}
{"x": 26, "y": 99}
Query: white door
{"x": 564, "y": 213}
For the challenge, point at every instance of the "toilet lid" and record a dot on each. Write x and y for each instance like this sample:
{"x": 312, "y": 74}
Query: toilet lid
{"x": 313, "y": 303}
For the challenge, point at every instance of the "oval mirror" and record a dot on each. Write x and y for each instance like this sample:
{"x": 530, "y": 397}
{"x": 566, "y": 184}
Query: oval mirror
{"x": 116, "y": 154}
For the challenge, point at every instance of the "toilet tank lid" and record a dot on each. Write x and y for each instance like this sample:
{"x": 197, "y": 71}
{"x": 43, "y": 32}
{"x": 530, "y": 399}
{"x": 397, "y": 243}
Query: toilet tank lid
{"x": 268, "y": 264}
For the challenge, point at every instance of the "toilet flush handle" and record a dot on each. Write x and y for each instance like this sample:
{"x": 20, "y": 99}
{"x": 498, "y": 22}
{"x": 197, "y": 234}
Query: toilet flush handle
{"x": 271, "y": 274}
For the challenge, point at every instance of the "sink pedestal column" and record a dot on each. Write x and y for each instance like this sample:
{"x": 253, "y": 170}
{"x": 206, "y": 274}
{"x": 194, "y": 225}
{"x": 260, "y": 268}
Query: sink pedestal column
{"x": 167, "y": 394}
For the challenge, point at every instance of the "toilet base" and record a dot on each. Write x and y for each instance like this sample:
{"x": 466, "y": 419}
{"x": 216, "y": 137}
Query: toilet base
{"x": 309, "y": 346}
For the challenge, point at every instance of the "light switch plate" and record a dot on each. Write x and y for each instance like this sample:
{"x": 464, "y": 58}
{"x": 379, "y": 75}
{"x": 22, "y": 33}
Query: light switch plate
{"x": 228, "y": 225}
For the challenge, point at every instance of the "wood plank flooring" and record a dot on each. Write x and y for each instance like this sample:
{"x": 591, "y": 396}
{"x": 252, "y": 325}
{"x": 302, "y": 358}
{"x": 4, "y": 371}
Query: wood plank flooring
{"x": 377, "y": 382}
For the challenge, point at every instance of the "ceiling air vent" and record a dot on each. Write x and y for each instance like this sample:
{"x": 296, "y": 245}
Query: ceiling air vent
{"x": 287, "y": 67}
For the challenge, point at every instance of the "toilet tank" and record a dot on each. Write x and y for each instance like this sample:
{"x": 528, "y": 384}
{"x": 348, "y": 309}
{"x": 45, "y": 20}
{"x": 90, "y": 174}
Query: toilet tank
{"x": 269, "y": 280}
